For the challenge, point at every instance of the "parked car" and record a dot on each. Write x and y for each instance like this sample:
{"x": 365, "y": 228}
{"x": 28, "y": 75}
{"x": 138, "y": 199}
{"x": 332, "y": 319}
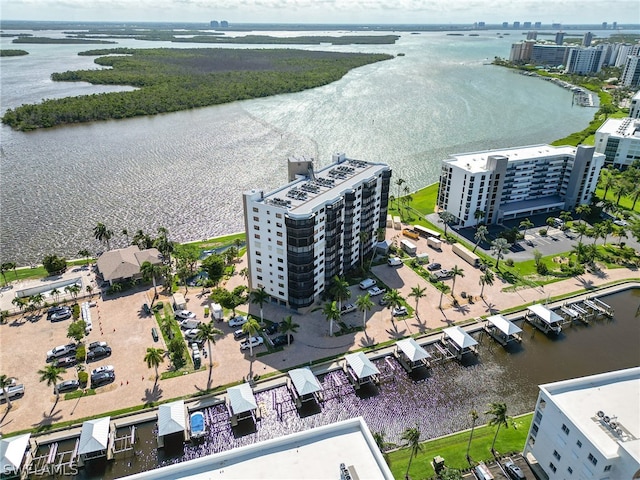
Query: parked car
{"x": 254, "y": 341}
{"x": 93, "y": 345}
{"x": 68, "y": 386}
{"x": 434, "y": 266}
{"x": 514, "y": 471}
{"x": 146, "y": 309}
{"x": 238, "y": 334}
{"x": 621, "y": 223}
{"x": 102, "y": 378}
{"x": 61, "y": 315}
{"x": 238, "y": 321}
{"x": 103, "y": 368}
{"x": 154, "y": 334}
{"x": 347, "y": 308}
{"x": 66, "y": 362}
{"x": 98, "y": 353}
{"x": 394, "y": 262}
{"x": 399, "y": 311}
{"x": 442, "y": 274}
{"x": 192, "y": 333}
{"x": 53, "y": 310}
{"x": 383, "y": 302}
{"x": 61, "y": 351}
{"x": 185, "y": 314}
{"x": 367, "y": 283}
{"x": 189, "y": 324}
{"x": 375, "y": 291}
{"x": 281, "y": 340}
{"x": 271, "y": 328}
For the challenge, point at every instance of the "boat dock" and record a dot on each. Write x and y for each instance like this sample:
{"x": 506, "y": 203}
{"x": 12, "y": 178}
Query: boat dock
{"x": 502, "y": 330}
{"x": 544, "y": 319}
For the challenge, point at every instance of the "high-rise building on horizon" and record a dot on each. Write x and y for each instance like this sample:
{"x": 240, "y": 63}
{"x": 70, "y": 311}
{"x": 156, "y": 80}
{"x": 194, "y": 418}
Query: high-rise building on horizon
{"x": 559, "y": 38}
{"x": 587, "y": 39}
{"x": 532, "y": 35}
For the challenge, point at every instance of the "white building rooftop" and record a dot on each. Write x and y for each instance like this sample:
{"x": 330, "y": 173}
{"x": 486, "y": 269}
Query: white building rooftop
{"x": 621, "y": 127}
{"x": 588, "y": 400}
{"x": 311, "y": 454}
{"x": 476, "y": 162}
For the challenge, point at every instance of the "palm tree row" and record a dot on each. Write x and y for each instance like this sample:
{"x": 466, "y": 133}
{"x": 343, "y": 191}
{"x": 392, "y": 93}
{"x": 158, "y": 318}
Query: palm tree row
{"x": 622, "y": 184}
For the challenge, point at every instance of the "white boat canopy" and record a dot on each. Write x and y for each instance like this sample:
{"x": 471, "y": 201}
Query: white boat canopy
{"x": 545, "y": 314}
{"x": 94, "y": 436}
{"x": 304, "y": 381}
{"x": 171, "y": 418}
{"x": 461, "y": 338}
{"x": 12, "y": 452}
{"x": 361, "y": 365}
{"x": 241, "y": 399}
{"x": 412, "y": 350}
{"x": 504, "y": 325}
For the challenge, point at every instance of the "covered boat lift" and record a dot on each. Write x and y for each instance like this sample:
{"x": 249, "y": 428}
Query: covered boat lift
{"x": 241, "y": 403}
{"x": 502, "y": 330}
{"x": 411, "y": 355}
{"x": 14, "y": 452}
{"x": 544, "y": 319}
{"x": 360, "y": 370}
{"x": 459, "y": 342}
{"x": 171, "y": 420}
{"x": 305, "y": 386}
{"x": 96, "y": 440}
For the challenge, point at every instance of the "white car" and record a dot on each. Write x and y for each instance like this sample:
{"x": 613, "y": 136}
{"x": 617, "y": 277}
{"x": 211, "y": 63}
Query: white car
{"x": 61, "y": 351}
{"x": 185, "y": 314}
{"x": 192, "y": 333}
{"x": 375, "y": 291}
{"x": 621, "y": 223}
{"x": 394, "y": 262}
{"x": 254, "y": 341}
{"x": 399, "y": 311}
{"x": 238, "y": 321}
{"x": 103, "y": 368}
{"x": 347, "y": 308}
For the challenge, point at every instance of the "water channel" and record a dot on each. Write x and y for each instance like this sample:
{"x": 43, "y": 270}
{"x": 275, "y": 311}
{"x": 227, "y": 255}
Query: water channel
{"x": 438, "y": 401}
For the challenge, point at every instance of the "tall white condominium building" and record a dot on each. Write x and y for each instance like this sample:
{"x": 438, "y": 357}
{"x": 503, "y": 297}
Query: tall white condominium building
{"x": 588, "y": 428}
{"x": 317, "y": 226}
{"x": 619, "y": 140}
{"x": 585, "y": 60}
{"x": 516, "y": 182}
{"x": 631, "y": 72}
{"x": 634, "y": 107}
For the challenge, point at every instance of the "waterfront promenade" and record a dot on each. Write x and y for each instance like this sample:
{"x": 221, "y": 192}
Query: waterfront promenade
{"x": 122, "y": 325}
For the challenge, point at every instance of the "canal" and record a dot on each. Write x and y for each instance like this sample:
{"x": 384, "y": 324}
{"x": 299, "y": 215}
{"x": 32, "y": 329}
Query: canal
{"x": 438, "y": 401}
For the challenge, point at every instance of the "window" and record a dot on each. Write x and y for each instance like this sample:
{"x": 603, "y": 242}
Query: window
{"x": 279, "y": 242}
{"x": 552, "y": 467}
{"x": 258, "y": 254}
{"x": 556, "y": 455}
{"x": 607, "y": 468}
{"x": 565, "y": 429}
{"x": 256, "y": 227}
{"x": 579, "y": 444}
{"x": 256, "y": 219}
{"x": 255, "y": 209}
{"x": 258, "y": 261}
{"x": 570, "y": 470}
{"x": 280, "y": 277}
{"x": 258, "y": 269}
{"x": 280, "y": 260}
{"x": 593, "y": 459}
{"x": 278, "y": 215}
{"x": 256, "y": 235}
{"x": 259, "y": 277}
{"x": 279, "y": 234}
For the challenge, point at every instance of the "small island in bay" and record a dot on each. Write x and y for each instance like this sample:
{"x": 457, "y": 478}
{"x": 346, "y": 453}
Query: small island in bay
{"x": 170, "y": 80}
{"x": 13, "y": 53}
{"x": 62, "y": 41}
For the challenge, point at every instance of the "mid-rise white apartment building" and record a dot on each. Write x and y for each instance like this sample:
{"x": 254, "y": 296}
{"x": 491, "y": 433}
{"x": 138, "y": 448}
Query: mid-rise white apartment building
{"x": 588, "y": 428}
{"x": 315, "y": 227}
{"x": 585, "y": 60}
{"x": 634, "y": 107}
{"x": 631, "y": 72}
{"x": 517, "y": 182}
{"x": 619, "y": 140}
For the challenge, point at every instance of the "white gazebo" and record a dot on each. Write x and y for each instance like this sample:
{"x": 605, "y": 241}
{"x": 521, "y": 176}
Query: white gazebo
{"x": 13, "y": 451}
{"x": 360, "y": 369}
{"x": 411, "y": 355}
{"x": 171, "y": 420}
{"x": 241, "y": 403}
{"x": 305, "y": 385}
{"x": 544, "y": 319}
{"x": 95, "y": 439}
{"x": 459, "y": 342}
{"x": 503, "y": 330}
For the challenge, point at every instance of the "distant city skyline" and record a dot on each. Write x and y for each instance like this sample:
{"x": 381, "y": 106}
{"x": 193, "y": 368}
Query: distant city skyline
{"x": 567, "y": 12}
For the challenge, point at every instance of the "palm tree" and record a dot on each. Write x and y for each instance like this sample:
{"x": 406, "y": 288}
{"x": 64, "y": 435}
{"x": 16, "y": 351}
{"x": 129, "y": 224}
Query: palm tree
{"x": 526, "y": 224}
{"x": 125, "y": 234}
{"x": 332, "y": 312}
{"x": 288, "y": 325}
{"x": 498, "y": 411}
{"x": 154, "y": 357}
{"x": 73, "y": 290}
{"x": 418, "y": 292}
{"x": 447, "y": 218}
{"x": 89, "y": 290}
{"x": 456, "y": 272}
{"x": 102, "y": 234}
{"x": 565, "y": 216}
{"x": 339, "y": 290}
{"x": 474, "y": 418}
{"x": 149, "y": 271}
{"x": 251, "y": 328}
{"x": 444, "y": 288}
{"x": 364, "y": 304}
{"x": 84, "y": 253}
{"x": 3, "y": 269}
{"x": 399, "y": 183}
{"x": 411, "y": 436}
{"x": 37, "y": 300}
{"x": 394, "y": 299}
{"x": 581, "y": 230}
{"x": 500, "y": 247}
{"x": 20, "y": 302}
{"x": 486, "y": 279}
{"x": 244, "y": 273}
{"x": 582, "y": 210}
{"x": 606, "y": 181}
{"x": 621, "y": 189}
{"x": 480, "y": 236}
{"x": 52, "y": 374}
{"x": 55, "y": 293}
{"x": 4, "y": 383}
{"x": 259, "y": 296}
{"x": 478, "y": 215}
{"x": 208, "y": 334}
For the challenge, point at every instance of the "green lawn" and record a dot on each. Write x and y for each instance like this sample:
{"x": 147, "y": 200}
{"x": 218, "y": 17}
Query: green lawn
{"x": 625, "y": 202}
{"x": 453, "y": 449}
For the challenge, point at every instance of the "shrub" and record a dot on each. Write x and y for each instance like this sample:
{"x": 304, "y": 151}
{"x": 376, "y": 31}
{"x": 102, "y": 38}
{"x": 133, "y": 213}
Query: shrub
{"x": 543, "y": 232}
{"x": 54, "y": 265}
{"x": 542, "y": 268}
{"x": 83, "y": 378}
{"x": 81, "y": 353}
{"x": 75, "y": 311}
{"x": 158, "y": 306}
{"x": 509, "y": 262}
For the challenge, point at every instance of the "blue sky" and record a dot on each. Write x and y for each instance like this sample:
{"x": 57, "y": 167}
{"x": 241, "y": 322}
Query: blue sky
{"x": 327, "y": 11}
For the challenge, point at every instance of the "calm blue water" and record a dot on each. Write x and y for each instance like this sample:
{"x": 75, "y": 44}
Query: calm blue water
{"x": 186, "y": 171}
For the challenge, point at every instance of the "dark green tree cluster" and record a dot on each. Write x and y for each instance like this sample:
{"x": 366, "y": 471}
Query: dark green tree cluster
{"x": 54, "y": 265}
{"x": 13, "y": 53}
{"x": 171, "y": 80}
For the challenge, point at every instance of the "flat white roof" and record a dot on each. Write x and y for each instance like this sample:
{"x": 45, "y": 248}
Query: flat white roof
{"x": 308, "y": 455}
{"x": 504, "y": 325}
{"x": 621, "y": 127}
{"x": 171, "y": 418}
{"x": 304, "y": 381}
{"x": 361, "y": 365}
{"x": 616, "y": 395}
{"x": 94, "y": 435}
{"x": 461, "y": 338}
{"x": 545, "y": 314}
{"x": 412, "y": 350}
{"x": 12, "y": 452}
{"x": 241, "y": 398}
{"x": 476, "y": 162}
